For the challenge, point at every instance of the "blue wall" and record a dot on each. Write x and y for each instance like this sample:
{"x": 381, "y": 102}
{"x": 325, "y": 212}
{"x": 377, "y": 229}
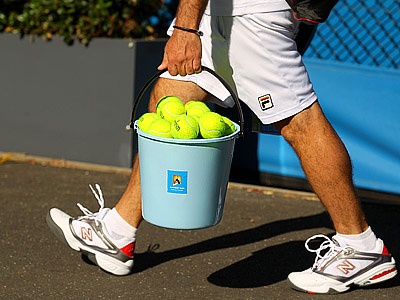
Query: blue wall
{"x": 363, "y": 104}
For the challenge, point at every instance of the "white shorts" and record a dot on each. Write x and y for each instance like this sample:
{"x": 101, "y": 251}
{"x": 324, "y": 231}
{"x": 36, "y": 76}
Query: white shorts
{"x": 257, "y": 55}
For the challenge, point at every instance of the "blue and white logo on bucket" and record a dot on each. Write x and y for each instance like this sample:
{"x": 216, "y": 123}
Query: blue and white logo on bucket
{"x": 177, "y": 182}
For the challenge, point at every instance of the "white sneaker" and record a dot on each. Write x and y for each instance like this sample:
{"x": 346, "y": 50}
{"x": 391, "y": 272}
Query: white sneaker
{"x": 337, "y": 267}
{"x": 88, "y": 235}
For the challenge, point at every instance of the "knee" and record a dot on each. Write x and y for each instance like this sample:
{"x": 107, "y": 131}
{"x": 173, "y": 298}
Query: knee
{"x": 304, "y": 124}
{"x": 289, "y": 130}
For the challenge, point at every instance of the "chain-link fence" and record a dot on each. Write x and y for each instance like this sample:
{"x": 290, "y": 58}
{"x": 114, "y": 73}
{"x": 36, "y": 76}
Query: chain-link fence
{"x": 360, "y": 32}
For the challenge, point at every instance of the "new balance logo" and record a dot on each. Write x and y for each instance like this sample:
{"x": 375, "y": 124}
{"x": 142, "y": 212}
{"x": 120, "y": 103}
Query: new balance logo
{"x": 346, "y": 267}
{"x": 86, "y": 233}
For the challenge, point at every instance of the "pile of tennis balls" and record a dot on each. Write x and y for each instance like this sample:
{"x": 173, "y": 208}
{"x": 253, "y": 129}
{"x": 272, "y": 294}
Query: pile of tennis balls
{"x": 193, "y": 120}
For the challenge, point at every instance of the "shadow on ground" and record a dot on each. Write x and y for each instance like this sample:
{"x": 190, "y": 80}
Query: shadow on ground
{"x": 272, "y": 264}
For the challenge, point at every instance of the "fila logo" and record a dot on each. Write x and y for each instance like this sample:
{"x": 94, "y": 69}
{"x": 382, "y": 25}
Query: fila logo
{"x": 87, "y": 233}
{"x": 265, "y": 102}
{"x": 346, "y": 267}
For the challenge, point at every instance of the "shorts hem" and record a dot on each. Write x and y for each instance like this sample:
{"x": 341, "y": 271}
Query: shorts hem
{"x": 289, "y": 112}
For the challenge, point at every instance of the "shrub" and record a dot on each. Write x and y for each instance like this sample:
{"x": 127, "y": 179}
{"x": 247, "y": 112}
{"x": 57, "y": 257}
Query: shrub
{"x": 84, "y": 20}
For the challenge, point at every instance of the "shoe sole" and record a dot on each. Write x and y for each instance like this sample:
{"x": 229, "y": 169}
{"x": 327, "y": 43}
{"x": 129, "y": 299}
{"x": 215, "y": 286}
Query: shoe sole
{"x": 376, "y": 275}
{"x": 104, "y": 261}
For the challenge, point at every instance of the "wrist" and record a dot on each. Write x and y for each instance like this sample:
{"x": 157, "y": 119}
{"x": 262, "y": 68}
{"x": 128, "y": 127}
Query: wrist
{"x": 190, "y": 30}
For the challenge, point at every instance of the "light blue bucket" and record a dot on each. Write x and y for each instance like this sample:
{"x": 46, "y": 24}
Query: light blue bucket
{"x": 183, "y": 182}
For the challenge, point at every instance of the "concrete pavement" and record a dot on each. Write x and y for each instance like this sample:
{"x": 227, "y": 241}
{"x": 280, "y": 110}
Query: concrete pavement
{"x": 247, "y": 256}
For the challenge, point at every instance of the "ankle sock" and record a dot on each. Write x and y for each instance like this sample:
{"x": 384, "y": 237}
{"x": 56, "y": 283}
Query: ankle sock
{"x": 118, "y": 229}
{"x": 365, "y": 241}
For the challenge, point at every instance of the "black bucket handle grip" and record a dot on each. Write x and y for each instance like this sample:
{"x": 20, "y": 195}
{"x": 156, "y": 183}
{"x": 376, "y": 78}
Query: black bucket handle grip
{"x": 225, "y": 84}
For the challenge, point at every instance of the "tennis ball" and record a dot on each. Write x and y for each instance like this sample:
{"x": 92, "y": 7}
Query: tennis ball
{"x": 185, "y": 127}
{"x": 197, "y": 109}
{"x": 171, "y": 110}
{"x": 160, "y": 127}
{"x": 229, "y": 126}
{"x": 211, "y": 125}
{"x": 164, "y": 100}
{"x": 146, "y": 119}
{"x": 191, "y": 102}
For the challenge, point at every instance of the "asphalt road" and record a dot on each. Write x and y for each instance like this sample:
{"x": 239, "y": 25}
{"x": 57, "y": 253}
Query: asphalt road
{"x": 259, "y": 241}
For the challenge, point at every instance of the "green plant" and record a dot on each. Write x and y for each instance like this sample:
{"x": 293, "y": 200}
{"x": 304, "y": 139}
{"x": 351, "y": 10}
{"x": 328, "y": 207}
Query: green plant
{"x": 84, "y": 20}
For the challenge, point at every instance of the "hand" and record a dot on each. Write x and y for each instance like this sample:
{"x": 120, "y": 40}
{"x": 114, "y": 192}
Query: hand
{"x": 182, "y": 54}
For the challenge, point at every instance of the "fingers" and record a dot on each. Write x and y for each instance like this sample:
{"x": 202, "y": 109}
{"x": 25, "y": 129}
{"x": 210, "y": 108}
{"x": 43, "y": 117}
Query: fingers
{"x": 197, "y": 66}
{"x": 188, "y": 70}
{"x": 182, "y": 55}
{"x": 182, "y": 69}
{"x": 172, "y": 68}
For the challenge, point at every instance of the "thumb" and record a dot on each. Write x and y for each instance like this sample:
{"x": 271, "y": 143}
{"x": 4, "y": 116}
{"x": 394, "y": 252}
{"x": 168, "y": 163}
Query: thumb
{"x": 164, "y": 64}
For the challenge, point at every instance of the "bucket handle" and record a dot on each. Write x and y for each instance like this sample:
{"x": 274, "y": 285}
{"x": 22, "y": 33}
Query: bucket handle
{"x": 226, "y": 85}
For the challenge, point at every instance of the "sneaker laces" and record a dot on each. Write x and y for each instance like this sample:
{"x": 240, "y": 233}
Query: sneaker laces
{"x": 100, "y": 200}
{"x": 328, "y": 249}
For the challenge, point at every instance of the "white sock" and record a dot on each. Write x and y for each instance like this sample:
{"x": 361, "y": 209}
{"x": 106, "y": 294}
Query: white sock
{"x": 118, "y": 228}
{"x": 365, "y": 241}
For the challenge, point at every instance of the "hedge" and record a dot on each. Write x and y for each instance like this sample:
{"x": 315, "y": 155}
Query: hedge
{"x": 84, "y": 20}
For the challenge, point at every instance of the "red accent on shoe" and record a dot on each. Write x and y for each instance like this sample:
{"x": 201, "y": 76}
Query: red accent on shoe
{"x": 385, "y": 251}
{"x": 383, "y": 274}
{"x": 129, "y": 250}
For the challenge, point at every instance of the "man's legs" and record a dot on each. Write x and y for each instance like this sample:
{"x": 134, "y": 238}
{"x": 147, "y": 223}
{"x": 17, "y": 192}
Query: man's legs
{"x": 323, "y": 156}
{"x": 328, "y": 168}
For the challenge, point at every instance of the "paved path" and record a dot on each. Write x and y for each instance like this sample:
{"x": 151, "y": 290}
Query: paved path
{"x": 247, "y": 256}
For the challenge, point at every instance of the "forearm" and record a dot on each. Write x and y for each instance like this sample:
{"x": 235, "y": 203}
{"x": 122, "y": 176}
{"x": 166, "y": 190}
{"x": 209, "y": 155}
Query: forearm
{"x": 190, "y": 12}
